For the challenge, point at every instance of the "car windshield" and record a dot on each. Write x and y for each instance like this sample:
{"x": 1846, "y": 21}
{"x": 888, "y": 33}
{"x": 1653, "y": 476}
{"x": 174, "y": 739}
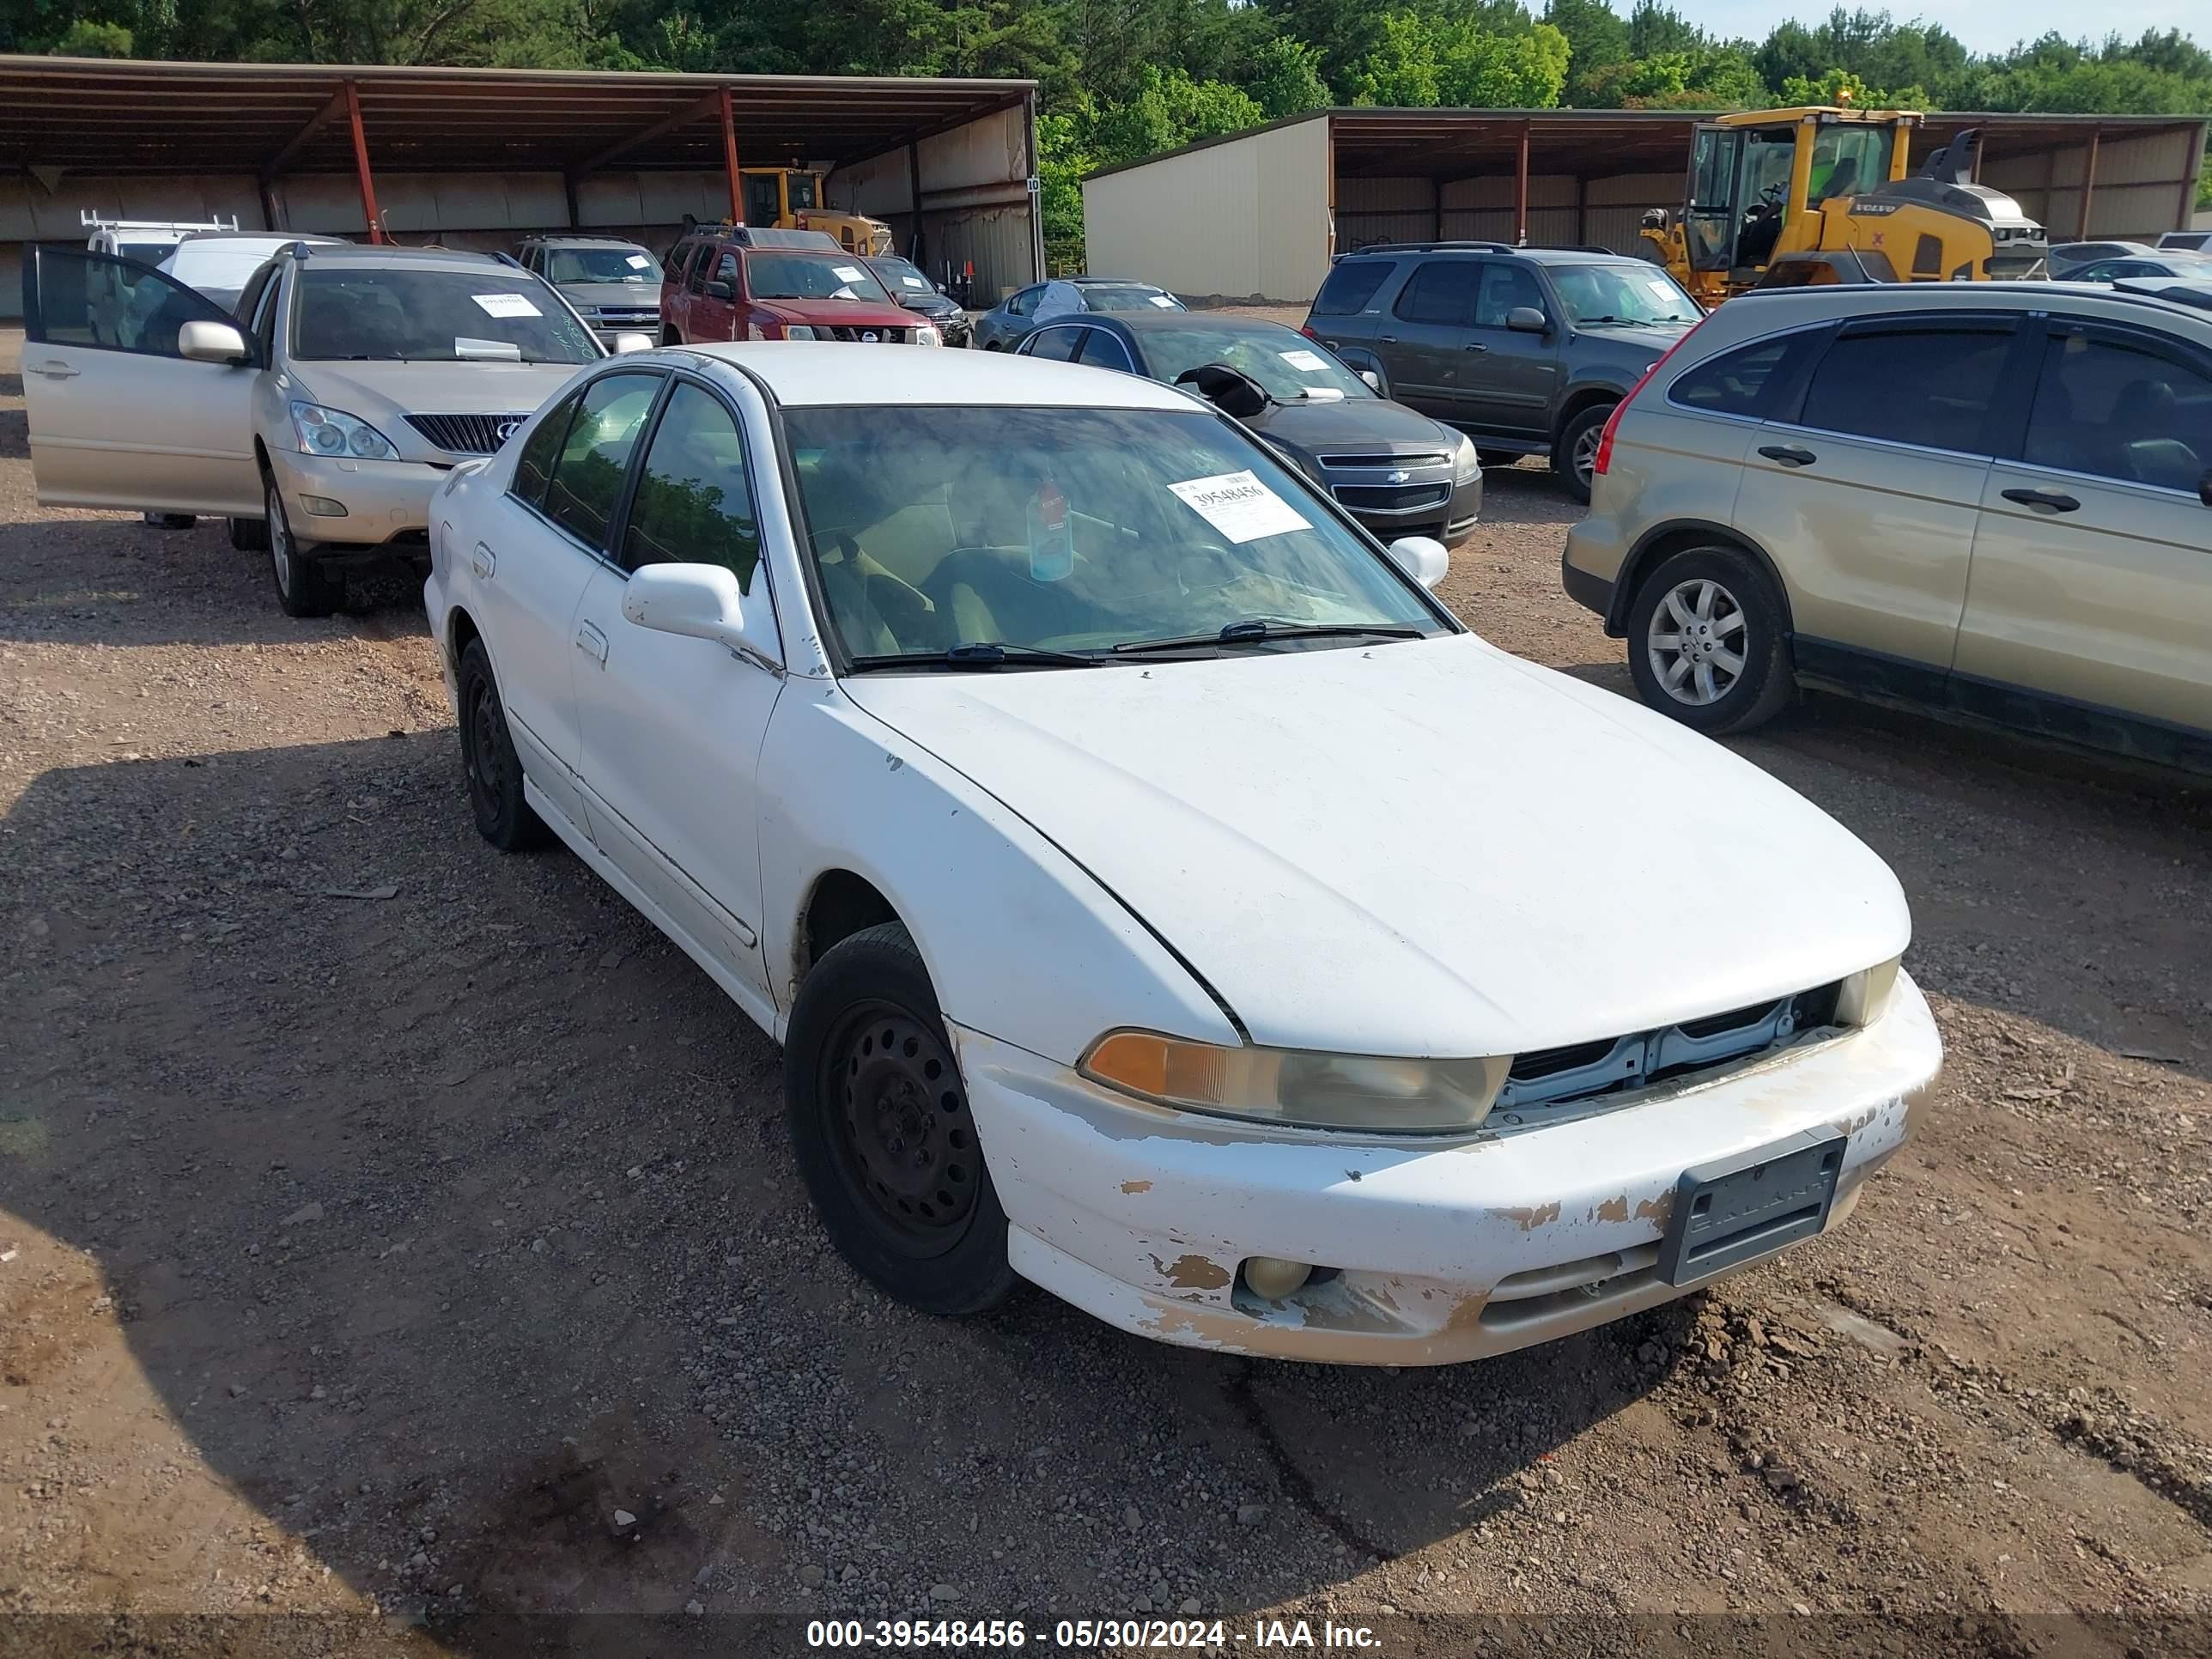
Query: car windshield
{"x": 1289, "y": 368}
{"x": 382, "y": 313}
{"x": 901, "y": 278}
{"x": 1102, "y": 297}
{"x": 809, "y": 277}
{"x": 601, "y": 264}
{"x": 148, "y": 253}
{"x": 1072, "y": 531}
{"x": 1639, "y": 292}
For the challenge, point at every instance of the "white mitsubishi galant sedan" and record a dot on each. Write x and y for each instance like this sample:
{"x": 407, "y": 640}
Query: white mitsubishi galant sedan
{"x": 1159, "y": 895}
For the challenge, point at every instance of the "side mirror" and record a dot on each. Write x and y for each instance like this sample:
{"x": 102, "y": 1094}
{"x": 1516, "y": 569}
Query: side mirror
{"x": 626, "y": 343}
{"x": 1374, "y": 380}
{"x": 1526, "y": 319}
{"x": 699, "y": 601}
{"x": 1421, "y": 557}
{"x": 212, "y": 343}
{"x": 719, "y": 290}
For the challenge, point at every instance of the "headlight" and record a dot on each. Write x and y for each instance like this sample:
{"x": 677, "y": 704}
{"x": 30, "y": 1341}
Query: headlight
{"x": 1366, "y": 1092}
{"x": 797, "y": 331}
{"x": 926, "y": 334}
{"x": 1866, "y": 995}
{"x": 333, "y": 432}
{"x": 1465, "y": 468}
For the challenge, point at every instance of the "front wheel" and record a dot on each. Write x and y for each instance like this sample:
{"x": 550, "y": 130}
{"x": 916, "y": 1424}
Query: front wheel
{"x": 880, "y": 1124}
{"x": 1574, "y": 458}
{"x": 304, "y": 589}
{"x": 1707, "y": 642}
{"x": 503, "y": 817}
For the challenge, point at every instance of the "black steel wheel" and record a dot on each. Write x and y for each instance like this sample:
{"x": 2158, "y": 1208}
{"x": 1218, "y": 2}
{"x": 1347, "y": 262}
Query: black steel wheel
{"x": 881, "y": 1125}
{"x": 503, "y": 817}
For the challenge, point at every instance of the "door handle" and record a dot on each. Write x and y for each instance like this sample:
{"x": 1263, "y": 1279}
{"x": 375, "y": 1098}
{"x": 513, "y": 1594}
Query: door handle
{"x": 1476, "y": 345}
{"x": 2045, "y": 501}
{"x": 56, "y": 370}
{"x": 592, "y": 643}
{"x": 1389, "y": 340}
{"x": 1788, "y": 454}
{"x": 483, "y": 561}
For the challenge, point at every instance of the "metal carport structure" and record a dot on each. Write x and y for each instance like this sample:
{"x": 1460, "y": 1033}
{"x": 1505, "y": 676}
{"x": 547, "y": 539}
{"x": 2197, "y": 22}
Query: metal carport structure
{"x": 478, "y": 157}
{"x": 1336, "y": 179}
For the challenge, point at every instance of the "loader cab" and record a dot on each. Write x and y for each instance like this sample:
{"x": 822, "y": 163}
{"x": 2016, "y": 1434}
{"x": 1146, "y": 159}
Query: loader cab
{"x": 1751, "y": 178}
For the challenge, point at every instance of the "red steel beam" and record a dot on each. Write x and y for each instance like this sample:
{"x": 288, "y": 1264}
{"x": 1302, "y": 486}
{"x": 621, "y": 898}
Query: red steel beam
{"x": 730, "y": 160}
{"x": 361, "y": 164}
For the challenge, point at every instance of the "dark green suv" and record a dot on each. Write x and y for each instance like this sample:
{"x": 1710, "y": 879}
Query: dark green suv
{"x": 1524, "y": 349}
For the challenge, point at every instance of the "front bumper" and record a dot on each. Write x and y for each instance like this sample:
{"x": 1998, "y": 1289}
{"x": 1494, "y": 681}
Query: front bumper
{"x": 385, "y": 502}
{"x": 1450, "y": 520}
{"x": 1442, "y": 1250}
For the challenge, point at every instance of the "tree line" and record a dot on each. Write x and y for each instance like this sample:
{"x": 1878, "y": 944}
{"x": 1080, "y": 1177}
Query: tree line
{"x": 1124, "y": 79}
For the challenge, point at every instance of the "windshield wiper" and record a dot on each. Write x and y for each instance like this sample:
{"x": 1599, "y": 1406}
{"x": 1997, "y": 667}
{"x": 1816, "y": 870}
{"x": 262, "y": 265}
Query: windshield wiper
{"x": 987, "y": 654}
{"x": 1255, "y": 629}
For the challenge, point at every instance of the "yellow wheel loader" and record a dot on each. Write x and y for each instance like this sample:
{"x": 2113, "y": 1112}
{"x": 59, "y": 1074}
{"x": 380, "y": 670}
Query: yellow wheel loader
{"x": 790, "y": 198}
{"x": 1784, "y": 197}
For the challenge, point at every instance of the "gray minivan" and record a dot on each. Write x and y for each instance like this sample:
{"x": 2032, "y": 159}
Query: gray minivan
{"x": 1524, "y": 349}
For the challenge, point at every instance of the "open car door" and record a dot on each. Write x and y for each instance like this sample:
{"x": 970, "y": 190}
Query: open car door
{"x": 118, "y": 416}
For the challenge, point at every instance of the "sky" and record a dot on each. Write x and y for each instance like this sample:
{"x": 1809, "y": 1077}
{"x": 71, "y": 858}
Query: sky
{"x": 1984, "y": 25}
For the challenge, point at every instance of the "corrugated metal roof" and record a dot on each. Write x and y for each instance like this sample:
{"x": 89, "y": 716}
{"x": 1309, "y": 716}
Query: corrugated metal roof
{"x": 1447, "y": 143}
{"x": 113, "y": 115}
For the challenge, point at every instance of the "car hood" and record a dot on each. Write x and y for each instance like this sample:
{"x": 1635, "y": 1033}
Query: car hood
{"x": 621, "y": 295}
{"x": 1428, "y": 847}
{"x": 386, "y": 393}
{"x": 1658, "y": 339}
{"x": 1331, "y": 425}
{"x": 846, "y": 314}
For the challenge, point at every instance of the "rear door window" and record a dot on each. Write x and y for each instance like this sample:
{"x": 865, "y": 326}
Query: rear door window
{"x": 1352, "y": 284}
{"x": 2119, "y": 404}
{"x": 1931, "y": 384}
{"x": 1440, "y": 291}
{"x": 593, "y": 462}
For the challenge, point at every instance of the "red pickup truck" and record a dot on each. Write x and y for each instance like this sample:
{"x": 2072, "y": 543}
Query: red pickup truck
{"x": 733, "y": 283}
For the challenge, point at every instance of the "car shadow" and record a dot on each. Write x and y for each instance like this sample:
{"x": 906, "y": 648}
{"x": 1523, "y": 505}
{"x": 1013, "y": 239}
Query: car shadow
{"x": 14, "y": 431}
{"x": 112, "y": 579}
{"x": 448, "y": 1211}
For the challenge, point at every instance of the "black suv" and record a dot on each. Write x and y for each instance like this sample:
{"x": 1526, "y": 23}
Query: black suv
{"x": 1524, "y": 349}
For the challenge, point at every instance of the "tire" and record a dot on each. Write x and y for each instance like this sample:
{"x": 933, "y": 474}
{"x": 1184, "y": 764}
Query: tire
{"x": 303, "y": 588}
{"x": 1729, "y": 593}
{"x": 993, "y": 345}
{"x": 170, "y": 520}
{"x": 503, "y": 817}
{"x": 669, "y": 336}
{"x": 1491, "y": 457}
{"x": 879, "y": 1121}
{"x": 1572, "y": 454}
{"x": 249, "y": 535}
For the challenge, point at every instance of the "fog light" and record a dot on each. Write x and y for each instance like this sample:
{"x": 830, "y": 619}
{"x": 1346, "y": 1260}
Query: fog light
{"x": 323, "y": 507}
{"x": 1271, "y": 1278}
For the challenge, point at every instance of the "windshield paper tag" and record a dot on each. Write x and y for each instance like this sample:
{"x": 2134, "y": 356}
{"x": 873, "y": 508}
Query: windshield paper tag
{"x": 850, "y": 274}
{"x": 1166, "y": 302}
{"x": 1305, "y": 361}
{"x": 914, "y": 282}
{"x": 1240, "y": 507}
{"x": 506, "y": 305}
{"x": 1052, "y": 542}
{"x": 1660, "y": 286}
{"x": 639, "y": 262}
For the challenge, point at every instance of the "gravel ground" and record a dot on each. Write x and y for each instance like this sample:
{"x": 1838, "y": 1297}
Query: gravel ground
{"x": 399, "y": 1233}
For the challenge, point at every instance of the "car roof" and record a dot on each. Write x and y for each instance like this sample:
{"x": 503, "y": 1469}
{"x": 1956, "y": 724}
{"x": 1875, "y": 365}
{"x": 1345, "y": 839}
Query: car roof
{"x": 1542, "y": 256}
{"x": 577, "y": 239}
{"x": 1750, "y": 314}
{"x": 824, "y": 373}
{"x": 1109, "y": 282}
{"x": 356, "y": 255}
{"x": 1140, "y": 321}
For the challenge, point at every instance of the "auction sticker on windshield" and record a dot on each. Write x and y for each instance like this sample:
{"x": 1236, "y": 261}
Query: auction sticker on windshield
{"x": 639, "y": 262}
{"x": 850, "y": 274}
{"x": 1305, "y": 361}
{"x": 506, "y": 305}
{"x": 1165, "y": 302}
{"x": 1239, "y": 506}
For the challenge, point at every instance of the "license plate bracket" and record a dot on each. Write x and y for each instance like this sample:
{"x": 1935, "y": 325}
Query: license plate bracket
{"x": 1737, "y": 1209}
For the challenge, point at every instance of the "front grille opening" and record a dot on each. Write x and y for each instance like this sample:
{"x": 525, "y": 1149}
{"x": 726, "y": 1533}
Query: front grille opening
{"x": 1387, "y": 497}
{"x": 1581, "y": 1072}
{"x": 1384, "y": 461}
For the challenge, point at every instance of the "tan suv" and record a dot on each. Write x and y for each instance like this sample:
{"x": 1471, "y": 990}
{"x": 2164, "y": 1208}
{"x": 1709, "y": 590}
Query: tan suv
{"x": 1991, "y": 499}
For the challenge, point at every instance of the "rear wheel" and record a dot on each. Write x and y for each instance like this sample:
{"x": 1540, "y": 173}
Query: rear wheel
{"x": 304, "y": 589}
{"x": 1708, "y": 641}
{"x": 494, "y": 771}
{"x": 880, "y": 1123}
{"x": 1575, "y": 455}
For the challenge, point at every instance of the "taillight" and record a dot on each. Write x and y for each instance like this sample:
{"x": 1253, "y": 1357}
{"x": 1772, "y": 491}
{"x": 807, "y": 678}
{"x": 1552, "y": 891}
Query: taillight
{"x": 1603, "y": 458}
{"x": 1307, "y": 331}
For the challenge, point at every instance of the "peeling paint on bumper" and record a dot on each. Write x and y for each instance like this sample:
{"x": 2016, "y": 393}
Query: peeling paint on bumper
{"x": 1441, "y": 1251}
